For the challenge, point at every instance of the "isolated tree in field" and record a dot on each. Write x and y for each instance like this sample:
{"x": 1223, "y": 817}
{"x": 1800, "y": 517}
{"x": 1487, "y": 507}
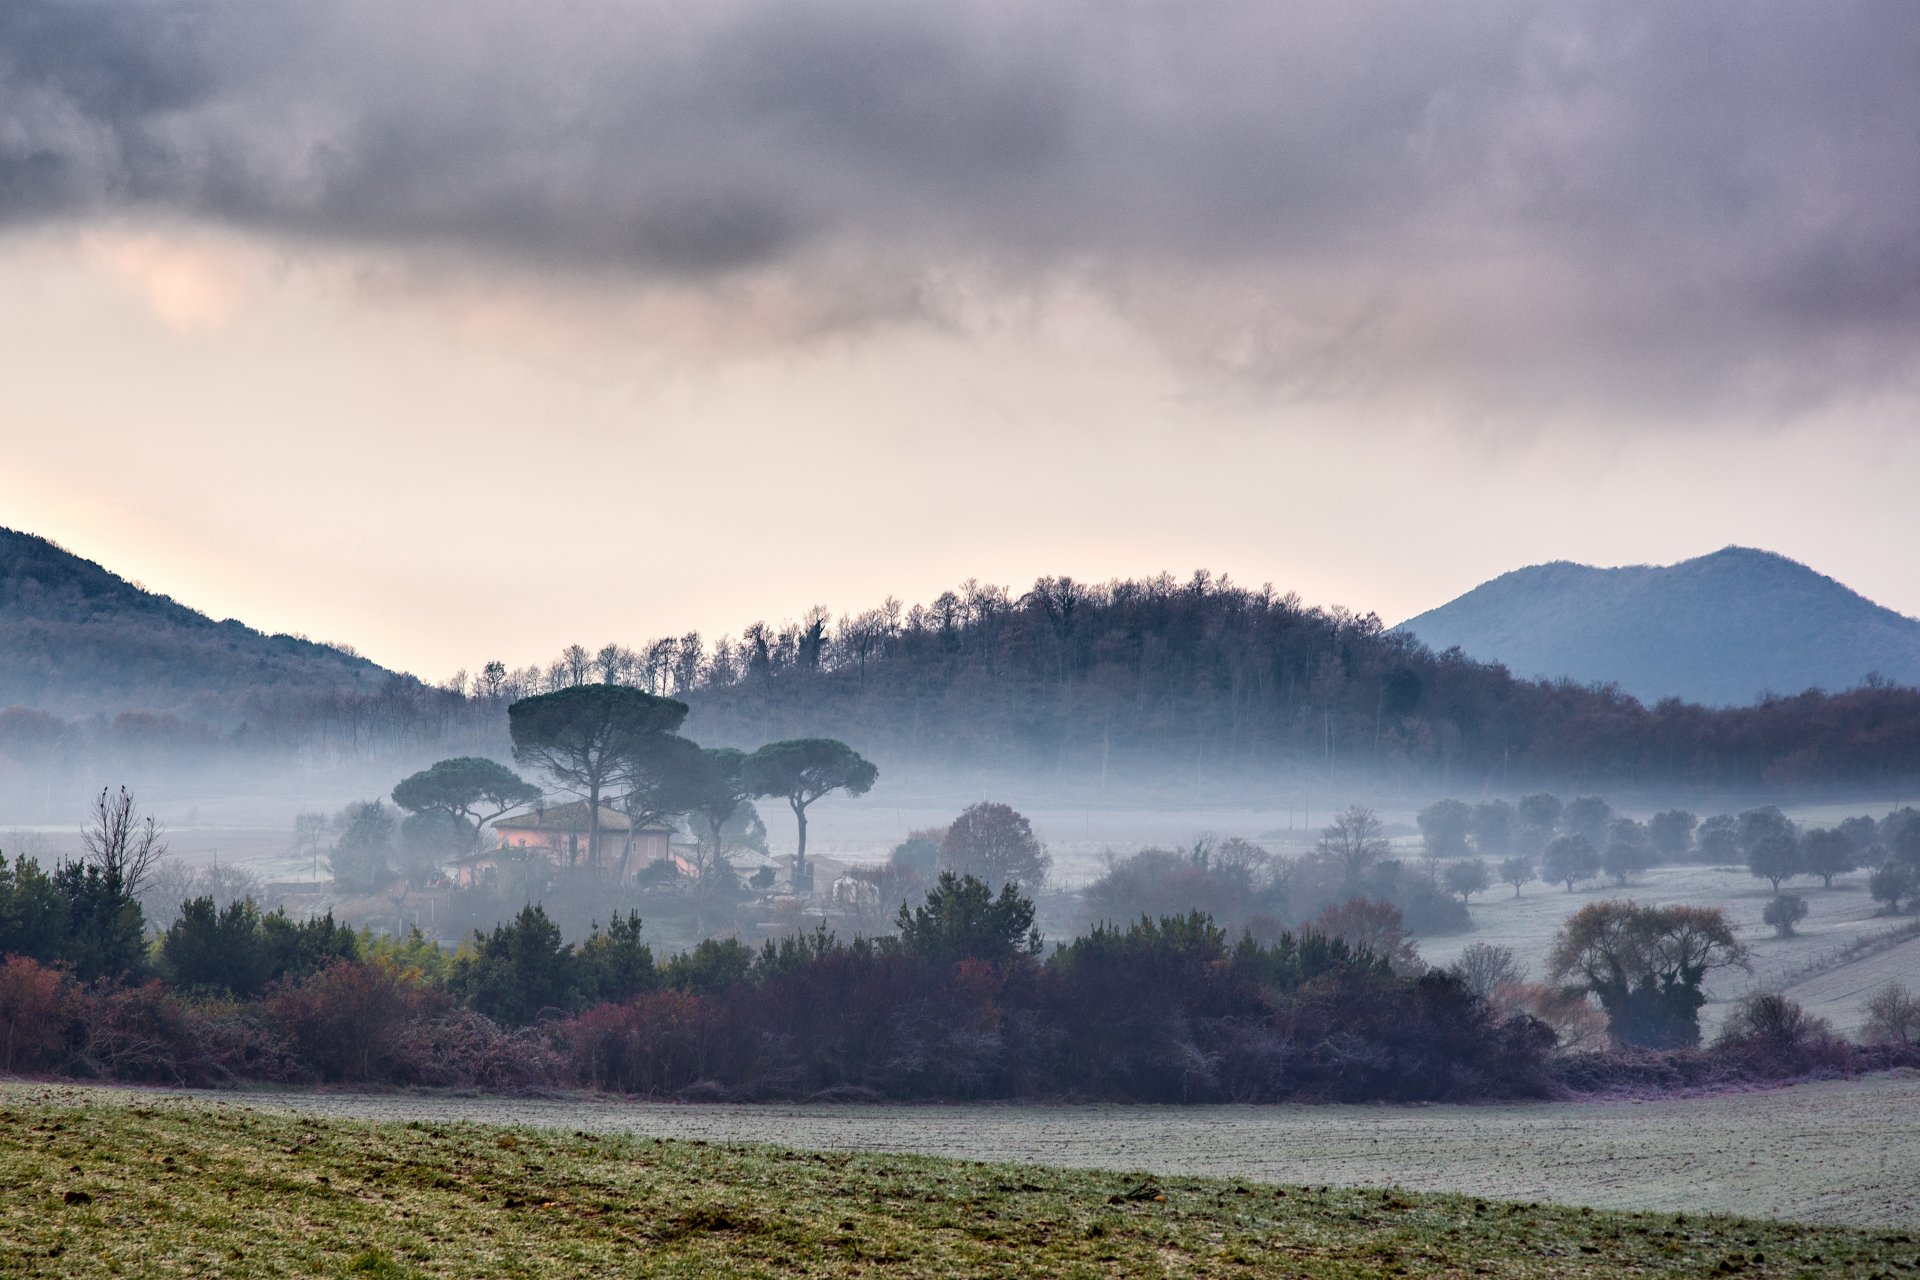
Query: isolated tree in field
{"x": 1891, "y": 882}
{"x": 1893, "y": 1016}
{"x": 120, "y": 842}
{"x": 581, "y": 735}
{"x": 1775, "y": 856}
{"x": 1569, "y": 860}
{"x": 1516, "y": 871}
{"x": 994, "y": 843}
{"x": 1468, "y": 878}
{"x": 1588, "y": 816}
{"x": 1785, "y": 911}
{"x": 1484, "y": 968}
{"x": 963, "y": 920}
{"x": 801, "y": 771}
{"x": 1354, "y": 841}
{"x": 1671, "y": 834}
{"x": 1827, "y": 854}
{"x": 468, "y": 790}
{"x": 1444, "y": 825}
{"x": 1645, "y": 965}
{"x": 1493, "y": 824}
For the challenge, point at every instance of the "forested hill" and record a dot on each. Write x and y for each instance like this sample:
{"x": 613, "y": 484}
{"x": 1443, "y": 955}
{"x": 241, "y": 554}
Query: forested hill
{"x": 1719, "y": 629}
{"x": 1186, "y": 679}
{"x": 77, "y": 640}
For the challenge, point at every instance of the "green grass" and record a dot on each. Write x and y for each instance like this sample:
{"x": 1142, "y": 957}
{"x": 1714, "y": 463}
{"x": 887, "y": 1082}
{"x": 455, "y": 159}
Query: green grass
{"x": 97, "y": 1183}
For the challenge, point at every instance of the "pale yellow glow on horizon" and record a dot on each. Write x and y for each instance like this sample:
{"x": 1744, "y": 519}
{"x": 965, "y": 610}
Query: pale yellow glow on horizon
{"x": 443, "y": 471}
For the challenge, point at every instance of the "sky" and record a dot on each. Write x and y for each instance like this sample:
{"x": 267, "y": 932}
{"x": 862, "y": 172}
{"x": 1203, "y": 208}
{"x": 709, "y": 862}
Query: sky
{"x": 462, "y": 333}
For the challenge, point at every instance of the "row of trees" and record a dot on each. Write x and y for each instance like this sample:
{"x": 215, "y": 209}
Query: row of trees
{"x": 960, "y": 1002}
{"x": 1584, "y": 838}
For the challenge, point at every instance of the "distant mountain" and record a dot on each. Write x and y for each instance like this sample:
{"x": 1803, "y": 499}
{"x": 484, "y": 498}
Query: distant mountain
{"x": 1721, "y": 629}
{"x": 77, "y": 640}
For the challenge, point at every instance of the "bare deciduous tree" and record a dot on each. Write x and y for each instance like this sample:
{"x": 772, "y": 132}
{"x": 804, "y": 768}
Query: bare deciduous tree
{"x": 1485, "y": 968}
{"x": 120, "y": 841}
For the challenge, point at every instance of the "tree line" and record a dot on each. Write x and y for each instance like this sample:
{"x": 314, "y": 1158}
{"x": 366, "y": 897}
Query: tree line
{"x": 1160, "y": 677}
{"x": 1151, "y": 681}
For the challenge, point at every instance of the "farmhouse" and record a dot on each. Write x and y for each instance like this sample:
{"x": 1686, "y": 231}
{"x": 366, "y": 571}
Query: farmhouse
{"x": 559, "y": 833}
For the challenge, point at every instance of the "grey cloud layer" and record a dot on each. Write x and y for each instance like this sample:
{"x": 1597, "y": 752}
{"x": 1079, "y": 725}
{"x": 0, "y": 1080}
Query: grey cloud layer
{"x": 1689, "y": 198}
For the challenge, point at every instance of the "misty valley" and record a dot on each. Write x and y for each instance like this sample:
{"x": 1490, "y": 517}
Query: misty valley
{"x": 818, "y": 638}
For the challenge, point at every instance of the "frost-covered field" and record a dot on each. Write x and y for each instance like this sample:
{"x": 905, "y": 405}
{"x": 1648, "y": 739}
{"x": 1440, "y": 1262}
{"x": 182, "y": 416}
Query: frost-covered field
{"x": 1836, "y": 917}
{"x": 1837, "y": 1152}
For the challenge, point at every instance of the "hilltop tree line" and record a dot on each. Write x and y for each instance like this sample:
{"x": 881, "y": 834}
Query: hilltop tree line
{"x": 1157, "y": 676}
{"x": 1138, "y": 680}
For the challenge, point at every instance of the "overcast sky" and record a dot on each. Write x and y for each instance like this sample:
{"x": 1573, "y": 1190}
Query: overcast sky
{"x": 589, "y": 321}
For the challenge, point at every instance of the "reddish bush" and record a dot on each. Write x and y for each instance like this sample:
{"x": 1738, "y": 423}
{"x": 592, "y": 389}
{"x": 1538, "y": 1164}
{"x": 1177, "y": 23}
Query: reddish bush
{"x": 467, "y": 1050}
{"x": 660, "y": 1043}
{"x": 148, "y": 1033}
{"x": 33, "y": 1002}
{"x": 350, "y": 1022}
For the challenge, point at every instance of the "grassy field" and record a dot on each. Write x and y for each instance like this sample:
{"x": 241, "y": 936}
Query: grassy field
{"x": 1834, "y": 1151}
{"x": 102, "y": 1183}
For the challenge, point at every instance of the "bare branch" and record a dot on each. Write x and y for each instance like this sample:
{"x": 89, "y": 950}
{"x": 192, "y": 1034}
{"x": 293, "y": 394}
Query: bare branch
{"x": 122, "y": 843}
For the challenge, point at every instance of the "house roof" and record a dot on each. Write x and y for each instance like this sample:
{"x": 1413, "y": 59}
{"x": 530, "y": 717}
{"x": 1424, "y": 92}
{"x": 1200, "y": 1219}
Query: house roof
{"x": 571, "y": 817}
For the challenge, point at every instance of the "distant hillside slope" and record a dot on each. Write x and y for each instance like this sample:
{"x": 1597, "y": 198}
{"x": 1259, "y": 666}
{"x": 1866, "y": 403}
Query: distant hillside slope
{"x": 76, "y": 639}
{"x": 1720, "y": 630}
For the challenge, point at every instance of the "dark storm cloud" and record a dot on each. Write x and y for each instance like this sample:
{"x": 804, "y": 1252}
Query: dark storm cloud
{"x": 1682, "y": 198}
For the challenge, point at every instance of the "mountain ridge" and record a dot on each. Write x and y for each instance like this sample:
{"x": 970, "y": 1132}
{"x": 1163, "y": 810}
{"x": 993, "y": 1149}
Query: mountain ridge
{"x": 78, "y": 639}
{"x": 1720, "y": 629}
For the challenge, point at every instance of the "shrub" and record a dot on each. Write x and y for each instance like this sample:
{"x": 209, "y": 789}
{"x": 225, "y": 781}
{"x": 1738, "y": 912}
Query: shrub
{"x": 519, "y": 971}
{"x": 1890, "y": 883}
{"x": 1893, "y": 1017}
{"x": 1784, "y": 912}
{"x": 462, "y": 1049}
{"x": 657, "y": 1044}
{"x": 146, "y": 1033}
{"x": 349, "y": 1022}
{"x": 1770, "y": 1030}
{"x": 32, "y": 1015}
